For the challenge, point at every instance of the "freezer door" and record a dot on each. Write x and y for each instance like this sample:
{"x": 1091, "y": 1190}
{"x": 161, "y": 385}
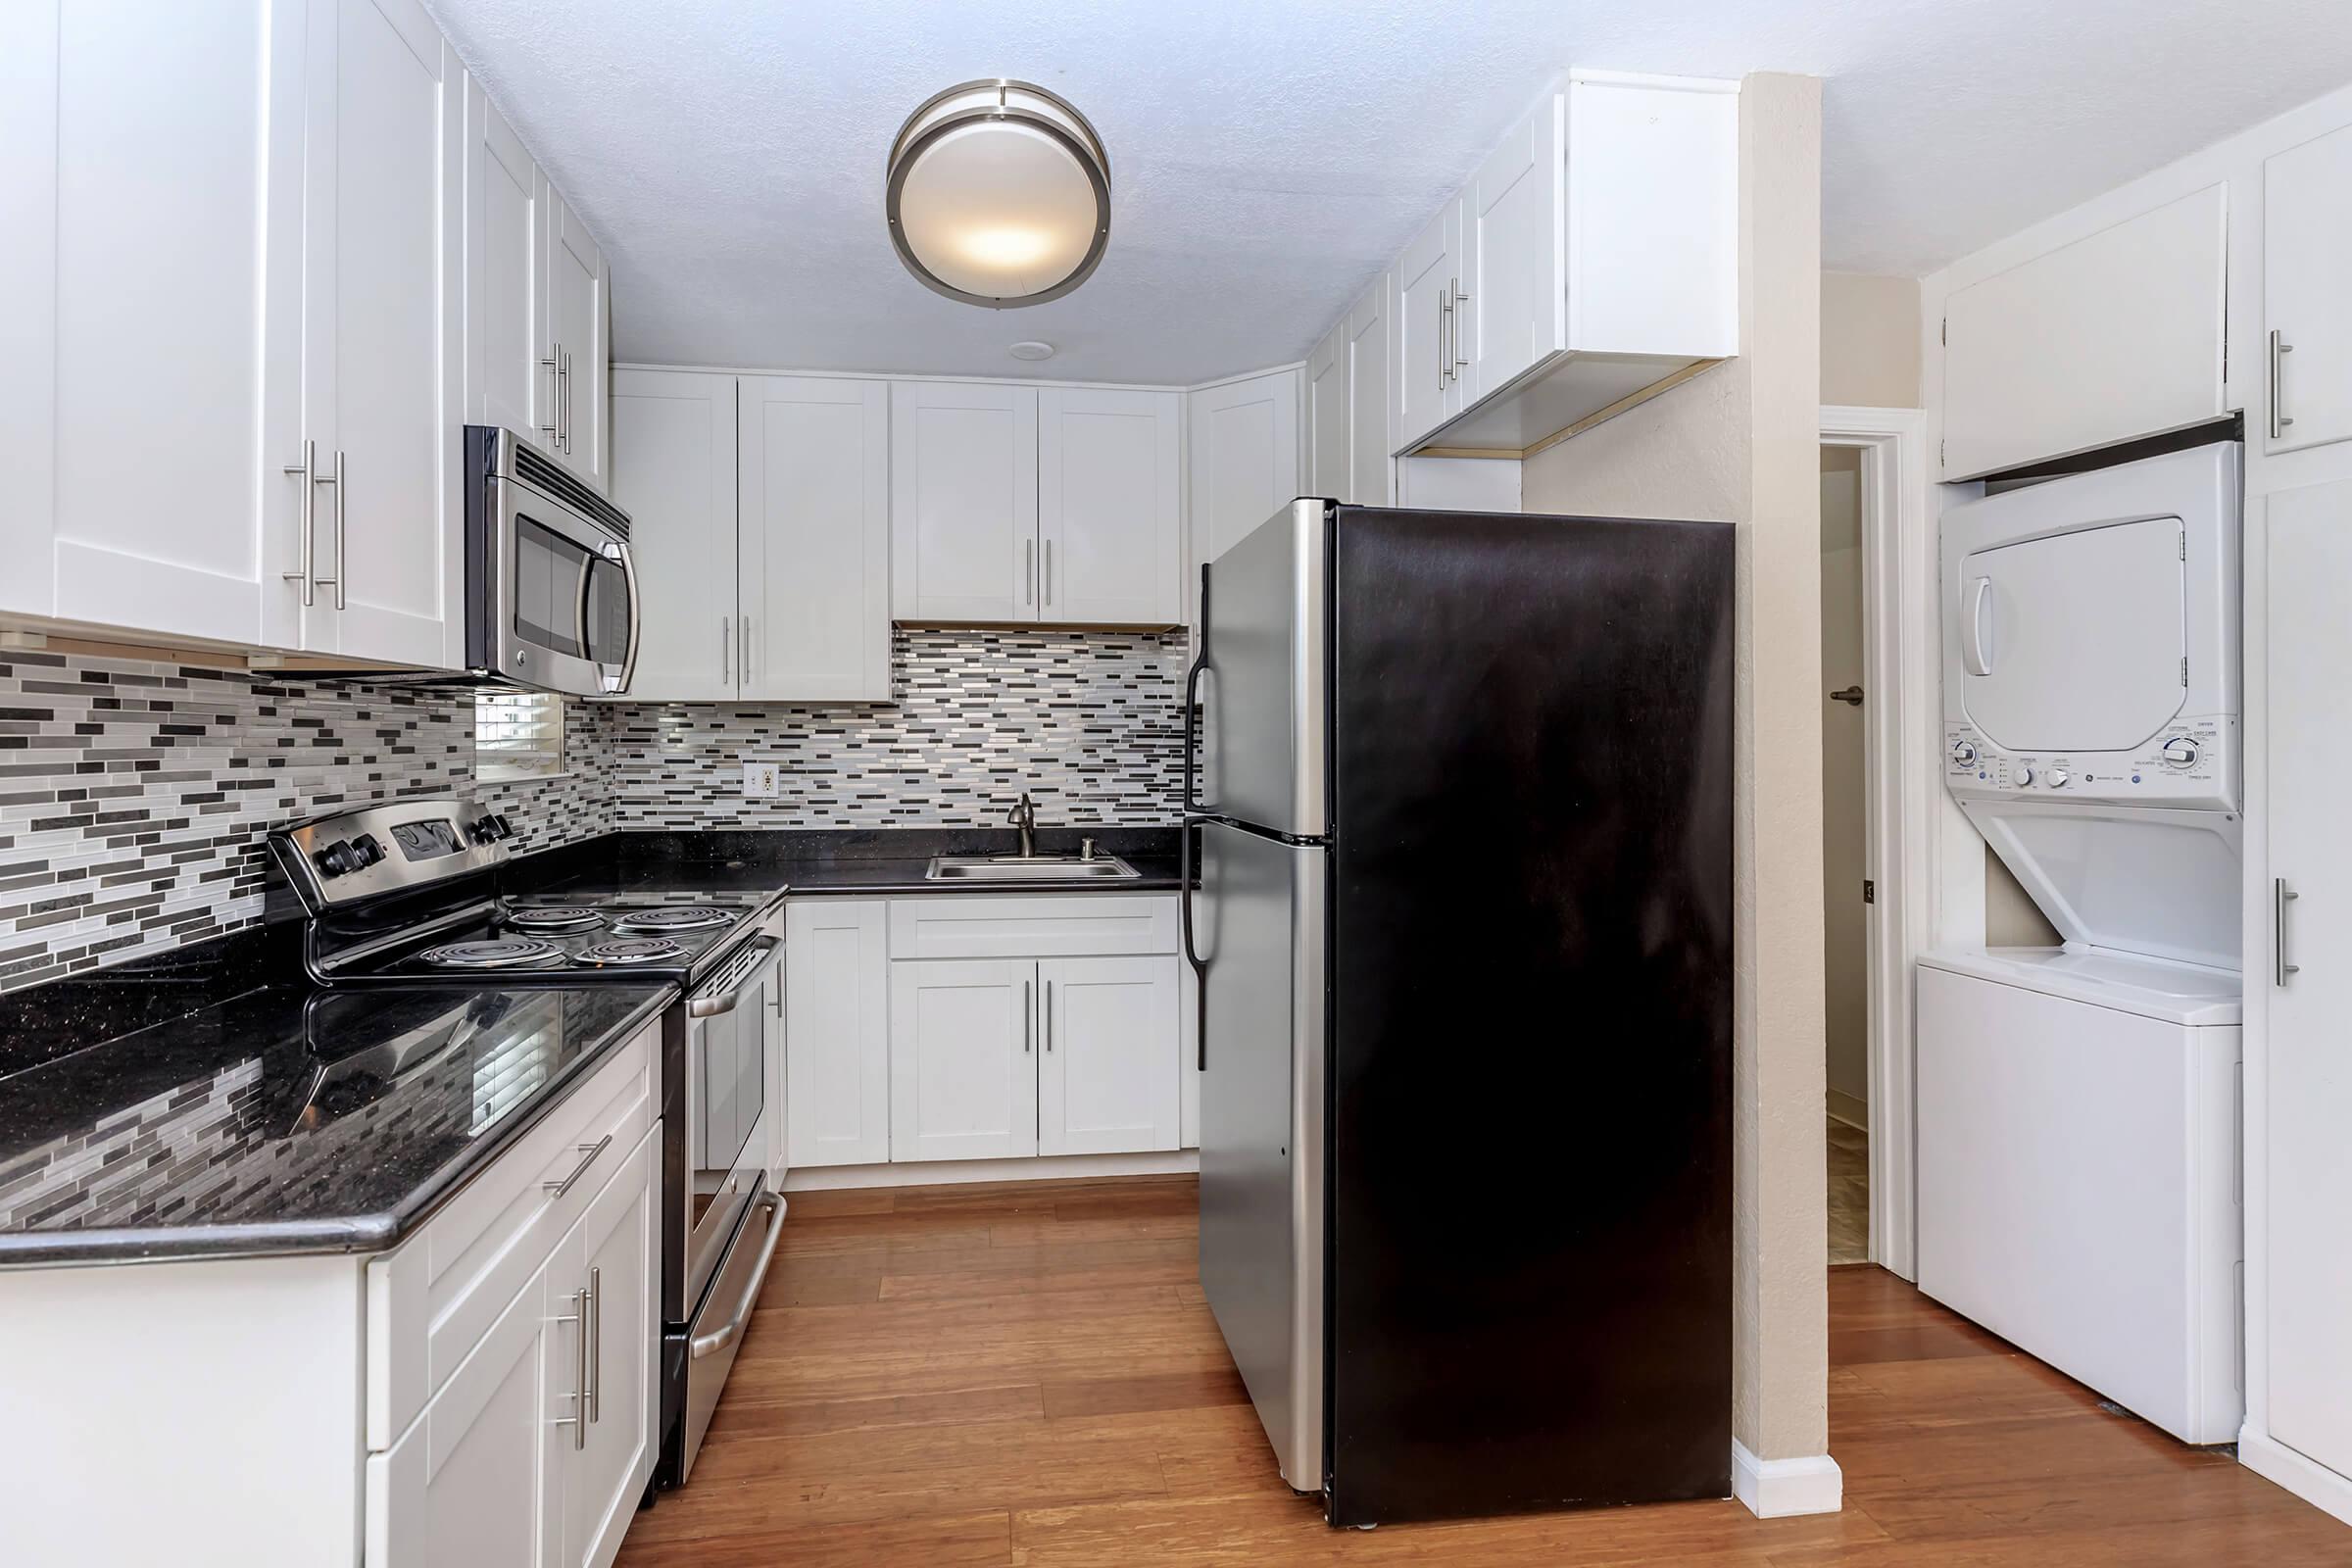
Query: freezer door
{"x": 1258, "y": 928}
{"x": 1265, "y": 693}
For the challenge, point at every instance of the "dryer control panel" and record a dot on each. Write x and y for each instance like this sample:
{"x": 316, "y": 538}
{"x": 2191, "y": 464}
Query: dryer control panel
{"x": 2191, "y": 765}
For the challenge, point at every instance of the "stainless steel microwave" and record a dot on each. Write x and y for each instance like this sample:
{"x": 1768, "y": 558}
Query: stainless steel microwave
{"x": 551, "y": 589}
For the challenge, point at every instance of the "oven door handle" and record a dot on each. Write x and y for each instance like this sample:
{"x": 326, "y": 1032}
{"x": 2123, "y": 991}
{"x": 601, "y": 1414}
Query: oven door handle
{"x": 719, "y": 1339}
{"x": 711, "y": 1005}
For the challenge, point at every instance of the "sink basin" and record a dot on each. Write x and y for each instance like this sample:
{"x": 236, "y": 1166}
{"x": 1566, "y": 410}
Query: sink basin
{"x": 1037, "y": 868}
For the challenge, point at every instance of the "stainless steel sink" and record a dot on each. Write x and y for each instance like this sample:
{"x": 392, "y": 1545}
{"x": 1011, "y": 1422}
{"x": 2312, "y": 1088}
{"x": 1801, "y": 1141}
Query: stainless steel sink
{"x": 1033, "y": 868}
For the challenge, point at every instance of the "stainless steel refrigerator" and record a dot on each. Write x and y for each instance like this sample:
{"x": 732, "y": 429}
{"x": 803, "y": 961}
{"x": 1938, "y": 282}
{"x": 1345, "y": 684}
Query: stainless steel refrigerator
{"x": 1458, "y": 894}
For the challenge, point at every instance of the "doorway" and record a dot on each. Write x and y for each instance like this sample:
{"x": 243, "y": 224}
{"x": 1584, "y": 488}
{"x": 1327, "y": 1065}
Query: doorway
{"x": 1845, "y": 883}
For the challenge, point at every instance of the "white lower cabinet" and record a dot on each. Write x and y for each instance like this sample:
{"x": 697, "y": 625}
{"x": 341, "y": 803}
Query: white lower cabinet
{"x": 1106, "y": 1079}
{"x": 837, "y": 1032}
{"x": 962, "y": 1060}
{"x": 534, "y": 1452}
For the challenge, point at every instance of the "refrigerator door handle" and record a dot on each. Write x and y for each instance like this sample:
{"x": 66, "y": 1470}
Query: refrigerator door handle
{"x": 1192, "y": 956}
{"x": 1193, "y": 722}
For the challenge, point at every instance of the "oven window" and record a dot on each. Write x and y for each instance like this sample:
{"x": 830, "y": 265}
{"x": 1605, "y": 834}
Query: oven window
{"x": 550, "y": 587}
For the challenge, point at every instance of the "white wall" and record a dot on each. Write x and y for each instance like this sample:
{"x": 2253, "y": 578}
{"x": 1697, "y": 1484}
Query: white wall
{"x": 1741, "y": 443}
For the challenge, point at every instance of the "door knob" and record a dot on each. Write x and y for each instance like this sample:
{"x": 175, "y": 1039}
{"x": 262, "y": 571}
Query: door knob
{"x": 1851, "y": 695}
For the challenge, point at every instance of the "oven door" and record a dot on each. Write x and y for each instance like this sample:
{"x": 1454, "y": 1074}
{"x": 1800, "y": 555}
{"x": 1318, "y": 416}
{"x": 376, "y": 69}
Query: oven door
{"x": 727, "y": 1024}
{"x": 565, "y": 608}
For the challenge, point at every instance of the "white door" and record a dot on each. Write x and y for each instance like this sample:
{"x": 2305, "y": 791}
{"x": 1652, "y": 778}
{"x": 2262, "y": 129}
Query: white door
{"x": 962, "y": 1058}
{"x": 1513, "y": 267}
{"x": 151, "y": 182}
{"x": 577, "y": 310}
{"x": 478, "y": 1477}
{"x": 1245, "y": 438}
{"x": 2307, "y": 247}
{"x": 1106, "y": 1078}
{"x": 2308, "y": 1181}
{"x": 1429, "y": 276}
{"x": 1328, "y": 392}
{"x": 837, "y": 1034}
{"x": 382, "y": 335}
{"x": 1371, "y": 469}
{"x": 673, "y": 472}
{"x": 613, "y": 1255}
{"x": 813, "y": 477}
{"x": 963, "y": 502}
{"x": 505, "y": 275}
{"x": 1109, "y": 506}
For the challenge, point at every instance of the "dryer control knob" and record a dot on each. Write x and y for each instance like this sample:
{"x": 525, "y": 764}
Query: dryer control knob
{"x": 2180, "y": 752}
{"x": 2058, "y": 777}
{"x": 1964, "y": 753}
{"x": 2025, "y": 776}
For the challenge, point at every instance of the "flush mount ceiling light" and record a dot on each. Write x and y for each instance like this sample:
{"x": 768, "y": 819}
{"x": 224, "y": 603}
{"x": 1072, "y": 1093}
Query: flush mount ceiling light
{"x": 1000, "y": 194}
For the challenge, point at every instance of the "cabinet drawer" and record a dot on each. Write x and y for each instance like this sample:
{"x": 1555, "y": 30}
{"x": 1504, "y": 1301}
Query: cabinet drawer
{"x": 432, "y": 1298}
{"x": 1033, "y": 926}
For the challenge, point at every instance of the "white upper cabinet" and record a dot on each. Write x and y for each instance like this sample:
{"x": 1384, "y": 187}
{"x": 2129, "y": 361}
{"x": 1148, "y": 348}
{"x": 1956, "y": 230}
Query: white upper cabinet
{"x": 1590, "y": 263}
{"x": 507, "y": 325}
{"x": 382, "y": 334}
{"x": 963, "y": 500}
{"x": 2307, "y": 310}
{"x": 813, "y": 476}
{"x": 1328, "y": 396}
{"x": 2115, "y": 336}
{"x": 240, "y": 250}
{"x": 1245, "y": 462}
{"x": 673, "y": 472}
{"x": 579, "y": 317}
{"x": 1110, "y": 523}
{"x": 1371, "y": 474}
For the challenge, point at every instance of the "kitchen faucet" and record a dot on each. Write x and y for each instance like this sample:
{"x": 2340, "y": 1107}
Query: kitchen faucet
{"x": 1024, "y": 818}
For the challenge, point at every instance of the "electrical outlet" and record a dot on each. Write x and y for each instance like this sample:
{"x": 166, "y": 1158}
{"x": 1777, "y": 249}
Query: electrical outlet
{"x": 763, "y": 780}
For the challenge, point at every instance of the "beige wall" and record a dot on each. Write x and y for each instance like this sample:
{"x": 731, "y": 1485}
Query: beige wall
{"x": 1741, "y": 444}
{"x": 1870, "y": 340}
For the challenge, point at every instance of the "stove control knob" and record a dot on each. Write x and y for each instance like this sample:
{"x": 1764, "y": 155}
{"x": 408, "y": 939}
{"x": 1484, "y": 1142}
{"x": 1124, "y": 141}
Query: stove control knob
{"x": 495, "y": 826}
{"x": 2180, "y": 752}
{"x": 367, "y": 848}
{"x": 2058, "y": 777}
{"x": 336, "y": 858}
{"x": 2025, "y": 776}
{"x": 1964, "y": 753}
{"x": 482, "y": 829}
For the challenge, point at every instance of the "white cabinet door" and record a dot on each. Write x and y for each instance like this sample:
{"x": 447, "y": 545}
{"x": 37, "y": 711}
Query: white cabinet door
{"x": 478, "y": 1477}
{"x": 151, "y": 177}
{"x": 1245, "y": 437}
{"x": 382, "y": 334}
{"x": 1428, "y": 349}
{"x": 962, "y": 1058}
{"x": 963, "y": 502}
{"x": 673, "y": 472}
{"x": 813, "y": 477}
{"x": 1328, "y": 394}
{"x": 505, "y": 276}
{"x": 1513, "y": 267}
{"x": 1106, "y": 1079}
{"x": 2309, "y": 1183}
{"x": 1109, "y": 506}
{"x": 2115, "y": 336}
{"x": 578, "y": 312}
{"x": 2307, "y": 251}
{"x": 1371, "y": 472}
{"x": 612, "y": 1254}
{"x": 837, "y": 1032}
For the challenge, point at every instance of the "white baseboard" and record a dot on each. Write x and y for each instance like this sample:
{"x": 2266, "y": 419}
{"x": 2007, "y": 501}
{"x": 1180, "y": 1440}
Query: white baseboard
{"x": 1846, "y": 1109}
{"x": 2307, "y": 1479}
{"x": 1775, "y": 1488}
{"x": 948, "y": 1172}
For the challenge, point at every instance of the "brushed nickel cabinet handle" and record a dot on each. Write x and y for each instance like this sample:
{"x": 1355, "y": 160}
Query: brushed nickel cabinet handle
{"x": 1461, "y": 362}
{"x": 553, "y": 426}
{"x": 1049, "y": 572}
{"x": 306, "y": 470}
{"x": 2280, "y": 349}
{"x": 2280, "y": 897}
{"x": 1029, "y": 571}
{"x": 593, "y": 1301}
{"x": 342, "y": 486}
{"x": 1049, "y": 1015}
{"x": 588, "y": 1154}
{"x": 743, "y": 652}
{"x": 578, "y": 1419}
{"x": 1025, "y": 1017}
{"x": 1444, "y": 343}
{"x": 727, "y": 650}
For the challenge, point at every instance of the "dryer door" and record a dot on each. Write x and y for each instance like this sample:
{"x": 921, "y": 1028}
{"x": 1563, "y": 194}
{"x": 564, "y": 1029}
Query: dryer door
{"x": 2074, "y": 642}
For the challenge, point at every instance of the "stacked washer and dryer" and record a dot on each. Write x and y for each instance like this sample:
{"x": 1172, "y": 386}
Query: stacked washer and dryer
{"x": 2077, "y": 1106}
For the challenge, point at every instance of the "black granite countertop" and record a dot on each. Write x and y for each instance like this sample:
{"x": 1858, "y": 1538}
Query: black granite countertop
{"x": 283, "y": 1119}
{"x": 829, "y": 863}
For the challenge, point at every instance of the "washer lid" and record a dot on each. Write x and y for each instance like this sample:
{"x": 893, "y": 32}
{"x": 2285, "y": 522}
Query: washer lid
{"x": 2174, "y": 993}
{"x": 2125, "y": 879}
{"x": 2075, "y": 642}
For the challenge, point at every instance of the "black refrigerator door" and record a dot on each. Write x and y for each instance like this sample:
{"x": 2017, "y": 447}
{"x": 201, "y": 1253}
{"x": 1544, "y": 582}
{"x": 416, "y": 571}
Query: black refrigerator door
{"x": 1530, "y": 1273}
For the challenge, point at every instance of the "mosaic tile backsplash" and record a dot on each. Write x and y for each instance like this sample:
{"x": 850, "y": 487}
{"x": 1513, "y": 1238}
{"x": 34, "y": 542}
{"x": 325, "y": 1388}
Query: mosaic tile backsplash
{"x": 134, "y": 795}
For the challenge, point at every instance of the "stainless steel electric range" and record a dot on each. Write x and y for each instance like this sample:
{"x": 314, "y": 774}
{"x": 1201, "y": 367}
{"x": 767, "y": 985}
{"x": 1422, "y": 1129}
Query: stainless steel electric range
{"x": 409, "y": 893}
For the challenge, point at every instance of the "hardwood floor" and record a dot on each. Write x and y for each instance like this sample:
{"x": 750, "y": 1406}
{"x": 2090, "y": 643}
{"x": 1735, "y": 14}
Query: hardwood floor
{"x": 1850, "y": 1193}
{"x": 1027, "y": 1375}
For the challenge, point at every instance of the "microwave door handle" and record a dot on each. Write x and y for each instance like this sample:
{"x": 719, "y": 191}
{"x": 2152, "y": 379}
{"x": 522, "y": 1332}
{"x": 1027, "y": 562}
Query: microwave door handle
{"x": 628, "y": 658}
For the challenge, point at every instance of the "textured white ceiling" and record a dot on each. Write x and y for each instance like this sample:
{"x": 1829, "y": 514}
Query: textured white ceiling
{"x": 1268, "y": 157}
